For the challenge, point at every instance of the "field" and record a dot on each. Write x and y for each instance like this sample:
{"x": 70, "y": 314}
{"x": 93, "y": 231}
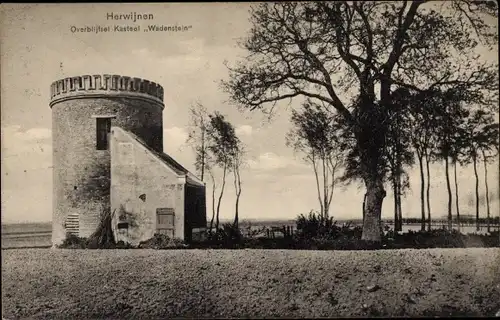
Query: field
{"x": 145, "y": 284}
{"x": 21, "y": 235}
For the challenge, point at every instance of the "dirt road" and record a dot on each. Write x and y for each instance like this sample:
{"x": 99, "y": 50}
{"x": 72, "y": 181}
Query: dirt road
{"x": 145, "y": 284}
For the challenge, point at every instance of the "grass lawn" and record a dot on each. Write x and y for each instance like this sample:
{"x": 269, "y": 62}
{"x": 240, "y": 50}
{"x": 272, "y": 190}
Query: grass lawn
{"x": 145, "y": 284}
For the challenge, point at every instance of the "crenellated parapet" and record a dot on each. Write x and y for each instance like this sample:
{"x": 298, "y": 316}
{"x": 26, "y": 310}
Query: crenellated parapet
{"x": 104, "y": 85}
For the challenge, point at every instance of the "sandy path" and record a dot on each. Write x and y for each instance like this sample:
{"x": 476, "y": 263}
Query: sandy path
{"x": 77, "y": 284}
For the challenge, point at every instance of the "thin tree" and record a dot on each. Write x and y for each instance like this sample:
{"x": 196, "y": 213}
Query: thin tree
{"x": 451, "y": 117}
{"x": 399, "y": 153}
{"x": 489, "y": 146}
{"x": 214, "y": 188}
{"x": 479, "y": 134}
{"x": 237, "y": 162}
{"x": 319, "y": 49}
{"x": 420, "y": 156}
{"x": 315, "y": 135}
{"x": 198, "y": 140}
{"x": 485, "y": 163}
{"x": 222, "y": 138}
{"x": 428, "y": 157}
{"x": 455, "y": 161}
{"x": 197, "y": 136}
{"x": 424, "y": 120}
{"x": 457, "y": 151}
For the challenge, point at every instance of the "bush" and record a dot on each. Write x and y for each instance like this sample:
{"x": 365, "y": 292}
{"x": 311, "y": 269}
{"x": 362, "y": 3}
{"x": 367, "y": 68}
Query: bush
{"x": 439, "y": 238}
{"x": 317, "y": 226}
{"x": 229, "y": 236}
{"x": 314, "y": 225}
{"x": 74, "y": 242}
{"x": 123, "y": 245}
{"x": 162, "y": 241}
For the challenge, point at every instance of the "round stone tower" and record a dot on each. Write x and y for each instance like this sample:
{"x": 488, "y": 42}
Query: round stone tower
{"x": 83, "y": 110}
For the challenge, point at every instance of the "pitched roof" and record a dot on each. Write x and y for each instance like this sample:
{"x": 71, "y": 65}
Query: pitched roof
{"x": 165, "y": 158}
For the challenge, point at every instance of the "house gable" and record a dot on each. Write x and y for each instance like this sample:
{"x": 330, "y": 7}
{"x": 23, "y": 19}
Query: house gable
{"x": 163, "y": 158}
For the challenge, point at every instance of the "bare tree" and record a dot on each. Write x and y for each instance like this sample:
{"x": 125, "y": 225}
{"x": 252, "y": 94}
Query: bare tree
{"x": 320, "y": 49}
{"x": 214, "y": 188}
{"x": 450, "y": 115}
{"x": 198, "y": 140}
{"x": 480, "y": 134}
{"x": 197, "y": 136}
{"x": 456, "y": 192}
{"x": 222, "y": 145}
{"x": 489, "y": 146}
{"x": 238, "y": 154}
{"x": 423, "y": 119}
{"x": 458, "y": 154}
{"x": 428, "y": 157}
{"x": 399, "y": 153}
{"x": 315, "y": 134}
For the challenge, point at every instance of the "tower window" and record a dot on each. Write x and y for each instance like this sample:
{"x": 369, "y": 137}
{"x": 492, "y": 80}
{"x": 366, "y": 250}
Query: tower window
{"x": 103, "y": 126}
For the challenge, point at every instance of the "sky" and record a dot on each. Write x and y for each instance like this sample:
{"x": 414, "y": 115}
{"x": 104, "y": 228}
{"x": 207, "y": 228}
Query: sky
{"x": 38, "y": 47}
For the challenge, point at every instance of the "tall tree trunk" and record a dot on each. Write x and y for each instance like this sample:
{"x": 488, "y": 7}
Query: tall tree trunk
{"x": 396, "y": 213}
{"x": 332, "y": 187}
{"x": 220, "y": 198}
{"x": 398, "y": 173}
{"x": 375, "y": 194}
{"x": 237, "y": 185}
{"x": 364, "y": 207}
{"x": 400, "y": 210}
{"x": 456, "y": 194}
{"x": 429, "y": 220}
{"x": 316, "y": 175}
{"x": 213, "y": 200}
{"x": 202, "y": 153}
{"x": 236, "y": 218}
{"x": 325, "y": 187}
{"x": 371, "y": 131}
{"x": 422, "y": 189}
{"x": 474, "y": 161}
{"x": 487, "y": 192}
{"x": 448, "y": 186}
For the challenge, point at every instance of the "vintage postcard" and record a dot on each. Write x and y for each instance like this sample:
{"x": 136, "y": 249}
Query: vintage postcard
{"x": 250, "y": 160}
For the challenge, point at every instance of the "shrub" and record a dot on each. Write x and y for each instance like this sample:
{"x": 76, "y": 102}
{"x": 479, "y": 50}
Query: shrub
{"x": 439, "y": 238}
{"x": 162, "y": 241}
{"x": 315, "y": 225}
{"x": 73, "y": 242}
{"x": 229, "y": 236}
{"x": 123, "y": 245}
{"x": 253, "y": 233}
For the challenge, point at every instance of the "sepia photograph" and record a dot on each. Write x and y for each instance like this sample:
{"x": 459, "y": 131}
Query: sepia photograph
{"x": 315, "y": 159}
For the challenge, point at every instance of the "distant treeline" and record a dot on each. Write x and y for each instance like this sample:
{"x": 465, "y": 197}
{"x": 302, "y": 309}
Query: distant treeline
{"x": 463, "y": 220}
{"x": 467, "y": 220}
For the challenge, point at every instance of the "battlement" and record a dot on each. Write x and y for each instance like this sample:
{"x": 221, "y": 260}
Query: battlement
{"x": 103, "y": 86}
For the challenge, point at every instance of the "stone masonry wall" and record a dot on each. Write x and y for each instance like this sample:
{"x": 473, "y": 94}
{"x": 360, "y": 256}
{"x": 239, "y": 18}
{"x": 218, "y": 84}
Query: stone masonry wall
{"x": 81, "y": 173}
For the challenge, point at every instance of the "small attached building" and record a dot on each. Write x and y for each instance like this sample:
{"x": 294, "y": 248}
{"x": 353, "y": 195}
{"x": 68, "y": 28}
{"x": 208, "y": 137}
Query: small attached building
{"x": 152, "y": 193}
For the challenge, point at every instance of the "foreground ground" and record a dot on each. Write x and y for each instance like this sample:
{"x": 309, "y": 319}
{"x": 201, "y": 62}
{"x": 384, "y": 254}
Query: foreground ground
{"x": 145, "y": 284}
